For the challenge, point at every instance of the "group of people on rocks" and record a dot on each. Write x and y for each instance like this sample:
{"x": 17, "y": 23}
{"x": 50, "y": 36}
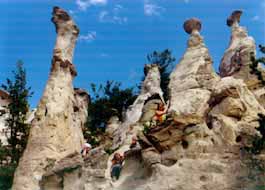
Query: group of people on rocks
{"x": 118, "y": 158}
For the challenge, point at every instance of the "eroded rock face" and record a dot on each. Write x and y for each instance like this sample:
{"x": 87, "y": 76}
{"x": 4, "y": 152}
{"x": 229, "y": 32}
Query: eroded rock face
{"x": 213, "y": 120}
{"x": 4, "y": 102}
{"x": 200, "y": 145}
{"x": 150, "y": 88}
{"x": 121, "y": 133}
{"x": 55, "y": 140}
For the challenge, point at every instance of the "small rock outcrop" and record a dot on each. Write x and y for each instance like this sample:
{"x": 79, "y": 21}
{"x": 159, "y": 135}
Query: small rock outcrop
{"x": 52, "y": 157}
{"x": 150, "y": 90}
{"x": 4, "y": 102}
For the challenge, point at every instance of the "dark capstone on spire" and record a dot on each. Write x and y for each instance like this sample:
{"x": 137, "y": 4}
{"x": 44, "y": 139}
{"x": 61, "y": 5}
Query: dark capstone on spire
{"x": 191, "y": 25}
{"x": 234, "y": 17}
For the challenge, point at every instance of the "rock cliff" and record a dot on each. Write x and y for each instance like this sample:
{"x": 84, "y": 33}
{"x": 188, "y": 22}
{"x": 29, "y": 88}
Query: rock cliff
{"x": 211, "y": 123}
{"x": 202, "y": 145}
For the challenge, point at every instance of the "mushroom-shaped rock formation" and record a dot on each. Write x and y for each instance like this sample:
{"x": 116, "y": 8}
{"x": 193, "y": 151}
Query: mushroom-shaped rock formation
{"x": 212, "y": 119}
{"x": 55, "y": 137}
{"x": 192, "y": 79}
{"x": 237, "y": 58}
{"x": 192, "y": 25}
{"x": 201, "y": 145}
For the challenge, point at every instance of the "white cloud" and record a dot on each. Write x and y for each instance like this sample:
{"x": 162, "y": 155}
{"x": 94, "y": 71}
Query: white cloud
{"x": 98, "y": 2}
{"x": 103, "y": 15}
{"x": 89, "y": 37}
{"x": 84, "y": 4}
{"x": 255, "y": 18}
{"x": 117, "y": 8}
{"x": 113, "y": 16}
{"x": 151, "y": 9}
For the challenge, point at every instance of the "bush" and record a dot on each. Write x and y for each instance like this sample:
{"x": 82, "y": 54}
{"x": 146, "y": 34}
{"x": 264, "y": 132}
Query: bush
{"x": 6, "y": 176}
{"x": 258, "y": 143}
{"x": 107, "y": 100}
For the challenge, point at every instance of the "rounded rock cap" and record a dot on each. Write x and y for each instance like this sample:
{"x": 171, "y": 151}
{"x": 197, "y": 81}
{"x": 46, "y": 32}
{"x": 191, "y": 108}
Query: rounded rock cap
{"x": 234, "y": 17}
{"x": 191, "y": 25}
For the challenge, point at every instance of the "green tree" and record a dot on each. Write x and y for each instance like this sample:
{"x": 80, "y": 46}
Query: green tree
{"x": 107, "y": 100}
{"x": 165, "y": 60}
{"x": 18, "y": 108}
{"x": 255, "y": 63}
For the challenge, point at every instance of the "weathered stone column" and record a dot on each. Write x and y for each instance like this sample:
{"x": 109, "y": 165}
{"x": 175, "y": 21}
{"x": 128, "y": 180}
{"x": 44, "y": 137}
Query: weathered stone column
{"x": 191, "y": 81}
{"x": 54, "y": 137}
{"x": 150, "y": 87}
{"x": 236, "y": 59}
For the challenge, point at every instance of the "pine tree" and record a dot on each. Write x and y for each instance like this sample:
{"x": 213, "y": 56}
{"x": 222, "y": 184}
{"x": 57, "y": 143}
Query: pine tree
{"x": 255, "y": 63}
{"x": 17, "y": 129}
{"x": 108, "y": 100}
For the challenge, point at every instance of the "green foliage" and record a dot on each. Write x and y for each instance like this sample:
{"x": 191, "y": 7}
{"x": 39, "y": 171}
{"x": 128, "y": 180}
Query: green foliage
{"x": 259, "y": 143}
{"x": 260, "y": 187}
{"x": 110, "y": 151}
{"x": 254, "y": 65}
{"x": 6, "y": 176}
{"x": 165, "y": 61}
{"x": 147, "y": 127}
{"x": 107, "y": 100}
{"x": 17, "y": 128}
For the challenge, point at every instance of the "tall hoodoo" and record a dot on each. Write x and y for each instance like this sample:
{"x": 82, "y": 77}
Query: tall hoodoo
{"x": 193, "y": 78}
{"x": 236, "y": 59}
{"x": 54, "y": 136}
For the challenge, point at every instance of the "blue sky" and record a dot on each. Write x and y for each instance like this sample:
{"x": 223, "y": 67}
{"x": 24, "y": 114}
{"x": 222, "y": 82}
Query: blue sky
{"x": 115, "y": 35}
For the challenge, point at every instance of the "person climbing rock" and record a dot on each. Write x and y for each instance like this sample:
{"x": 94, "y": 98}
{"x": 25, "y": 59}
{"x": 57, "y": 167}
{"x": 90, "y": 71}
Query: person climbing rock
{"x": 160, "y": 114}
{"x": 135, "y": 148}
{"x": 86, "y": 148}
{"x": 116, "y": 166}
{"x": 134, "y": 143}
